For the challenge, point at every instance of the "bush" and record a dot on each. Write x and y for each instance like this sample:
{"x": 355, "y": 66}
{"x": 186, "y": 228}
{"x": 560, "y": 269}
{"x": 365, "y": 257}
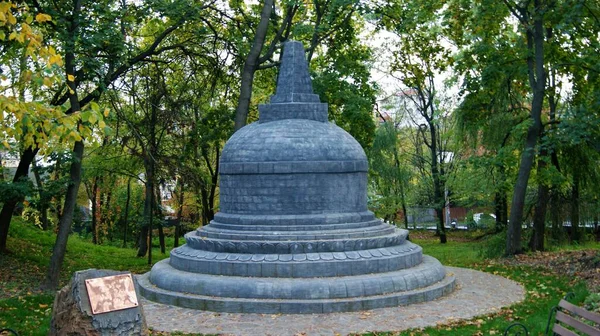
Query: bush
{"x": 592, "y": 302}
{"x": 494, "y": 246}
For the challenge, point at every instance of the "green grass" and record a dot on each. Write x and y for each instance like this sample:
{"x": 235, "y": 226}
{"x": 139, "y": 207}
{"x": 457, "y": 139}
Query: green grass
{"x": 459, "y": 254}
{"x": 26, "y": 309}
{"x": 543, "y": 291}
{"x": 23, "y": 306}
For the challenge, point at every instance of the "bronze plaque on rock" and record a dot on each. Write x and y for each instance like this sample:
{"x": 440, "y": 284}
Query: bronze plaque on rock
{"x": 111, "y": 293}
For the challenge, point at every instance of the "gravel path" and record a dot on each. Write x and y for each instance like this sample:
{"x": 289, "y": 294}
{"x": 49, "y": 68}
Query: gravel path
{"x": 478, "y": 293}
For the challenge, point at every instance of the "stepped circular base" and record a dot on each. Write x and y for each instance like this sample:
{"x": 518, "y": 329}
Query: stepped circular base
{"x": 425, "y": 282}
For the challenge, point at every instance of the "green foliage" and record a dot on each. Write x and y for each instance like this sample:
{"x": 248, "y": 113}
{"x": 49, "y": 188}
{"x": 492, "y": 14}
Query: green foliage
{"x": 389, "y": 173}
{"x": 15, "y": 191}
{"x": 592, "y": 302}
{"x": 493, "y": 246}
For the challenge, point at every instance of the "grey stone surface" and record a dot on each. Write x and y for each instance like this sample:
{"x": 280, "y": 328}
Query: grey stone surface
{"x": 72, "y": 312}
{"x": 477, "y": 294}
{"x": 294, "y": 234}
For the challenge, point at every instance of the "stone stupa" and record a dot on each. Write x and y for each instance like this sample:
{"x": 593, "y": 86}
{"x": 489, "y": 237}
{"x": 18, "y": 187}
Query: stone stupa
{"x": 294, "y": 234}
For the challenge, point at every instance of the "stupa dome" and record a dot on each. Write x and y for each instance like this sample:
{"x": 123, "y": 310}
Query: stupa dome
{"x": 292, "y": 140}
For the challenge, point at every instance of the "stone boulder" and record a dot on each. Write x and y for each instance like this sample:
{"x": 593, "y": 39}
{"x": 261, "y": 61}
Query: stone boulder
{"x": 72, "y": 312}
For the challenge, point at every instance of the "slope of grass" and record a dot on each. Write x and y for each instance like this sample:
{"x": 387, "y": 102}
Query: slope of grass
{"x": 23, "y": 306}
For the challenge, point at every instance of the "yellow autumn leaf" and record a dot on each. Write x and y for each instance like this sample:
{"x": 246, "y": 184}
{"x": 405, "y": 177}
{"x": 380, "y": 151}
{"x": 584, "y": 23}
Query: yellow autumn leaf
{"x": 43, "y": 18}
{"x": 75, "y": 136}
{"x": 5, "y": 143}
{"x": 12, "y": 36}
{"x": 106, "y": 112}
{"x": 47, "y": 81}
{"x": 11, "y": 19}
{"x": 71, "y": 78}
{"x": 55, "y": 59}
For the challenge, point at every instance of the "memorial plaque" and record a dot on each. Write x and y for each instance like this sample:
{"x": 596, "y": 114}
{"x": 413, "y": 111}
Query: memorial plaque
{"x": 111, "y": 293}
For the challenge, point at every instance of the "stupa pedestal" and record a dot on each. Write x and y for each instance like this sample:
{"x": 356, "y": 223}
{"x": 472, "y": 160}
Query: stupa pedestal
{"x": 294, "y": 234}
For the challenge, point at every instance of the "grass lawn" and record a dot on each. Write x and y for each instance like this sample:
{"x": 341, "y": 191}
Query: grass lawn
{"x": 28, "y": 310}
{"x": 23, "y": 306}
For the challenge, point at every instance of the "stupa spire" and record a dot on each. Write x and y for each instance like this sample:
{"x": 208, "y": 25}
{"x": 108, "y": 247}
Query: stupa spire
{"x": 294, "y": 97}
{"x": 293, "y": 73}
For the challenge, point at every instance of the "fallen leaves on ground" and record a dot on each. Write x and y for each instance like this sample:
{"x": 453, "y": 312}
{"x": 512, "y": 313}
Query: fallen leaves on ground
{"x": 580, "y": 265}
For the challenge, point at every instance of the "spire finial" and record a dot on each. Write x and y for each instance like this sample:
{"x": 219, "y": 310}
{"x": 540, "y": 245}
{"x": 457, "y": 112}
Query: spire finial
{"x": 294, "y": 97}
{"x": 294, "y": 83}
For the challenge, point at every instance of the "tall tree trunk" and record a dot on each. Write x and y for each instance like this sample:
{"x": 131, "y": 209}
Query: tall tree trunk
{"x": 404, "y": 211}
{"x": 148, "y": 199}
{"x": 555, "y": 215}
{"x": 536, "y": 242}
{"x": 126, "y": 219}
{"x": 151, "y": 214}
{"x": 64, "y": 225}
{"x": 106, "y": 220}
{"x": 9, "y": 206}
{"x": 250, "y": 66}
{"x": 535, "y": 64}
{"x": 575, "y": 234}
{"x": 95, "y": 211}
{"x": 161, "y": 232}
{"x": 180, "y": 200}
{"x": 206, "y": 213}
{"x": 438, "y": 196}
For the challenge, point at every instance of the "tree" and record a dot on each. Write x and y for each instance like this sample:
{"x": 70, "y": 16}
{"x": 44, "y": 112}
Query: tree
{"x": 389, "y": 173}
{"x": 418, "y": 59}
{"x": 102, "y": 62}
{"x": 29, "y": 121}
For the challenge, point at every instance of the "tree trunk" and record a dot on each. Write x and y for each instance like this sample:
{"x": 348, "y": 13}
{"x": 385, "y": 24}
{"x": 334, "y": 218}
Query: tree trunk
{"x": 161, "y": 232}
{"x": 148, "y": 199}
{"x": 250, "y": 66}
{"x": 440, "y": 213}
{"x": 64, "y": 225}
{"x": 43, "y": 207}
{"x": 536, "y": 243}
{"x": 179, "y": 214}
{"x": 126, "y": 219}
{"x": 535, "y": 45}
{"x": 575, "y": 234}
{"x": 151, "y": 215}
{"x": 9, "y": 206}
{"x": 405, "y": 213}
{"x": 95, "y": 211}
{"x": 438, "y": 196}
{"x": 105, "y": 214}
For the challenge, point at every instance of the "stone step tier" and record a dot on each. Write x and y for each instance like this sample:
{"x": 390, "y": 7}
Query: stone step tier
{"x": 298, "y": 265}
{"x": 426, "y": 282}
{"x": 369, "y": 264}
